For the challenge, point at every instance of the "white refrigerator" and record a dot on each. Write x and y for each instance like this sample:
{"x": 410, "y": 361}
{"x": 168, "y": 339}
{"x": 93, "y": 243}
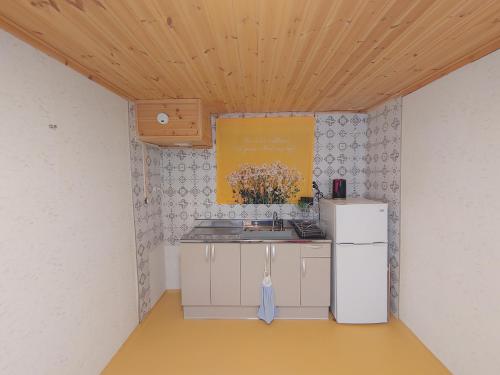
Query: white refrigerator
{"x": 358, "y": 230}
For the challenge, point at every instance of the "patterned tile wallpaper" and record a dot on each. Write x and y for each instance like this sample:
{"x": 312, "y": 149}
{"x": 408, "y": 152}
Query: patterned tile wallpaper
{"x": 145, "y": 162}
{"x": 383, "y": 177}
{"x": 189, "y": 175}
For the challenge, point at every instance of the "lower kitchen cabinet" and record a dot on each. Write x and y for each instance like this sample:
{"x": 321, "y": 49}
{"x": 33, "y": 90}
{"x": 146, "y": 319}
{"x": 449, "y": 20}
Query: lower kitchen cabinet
{"x": 254, "y": 263}
{"x": 285, "y": 275}
{"x": 210, "y": 274}
{"x": 315, "y": 282}
{"x": 224, "y": 280}
{"x": 225, "y": 274}
{"x": 281, "y": 261}
{"x": 195, "y": 274}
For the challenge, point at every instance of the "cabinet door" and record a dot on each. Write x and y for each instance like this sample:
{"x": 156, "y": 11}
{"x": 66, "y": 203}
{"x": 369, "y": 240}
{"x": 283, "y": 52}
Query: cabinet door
{"x": 315, "y": 282}
{"x": 225, "y": 274}
{"x": 254, "y": 262}
{"x": 285, "y": 273}
{"x": 195, "y": 274}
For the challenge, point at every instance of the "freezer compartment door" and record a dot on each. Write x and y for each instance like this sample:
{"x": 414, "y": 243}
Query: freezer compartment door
{"x": 360, "y": 283}
{"x": 361, "y": 223}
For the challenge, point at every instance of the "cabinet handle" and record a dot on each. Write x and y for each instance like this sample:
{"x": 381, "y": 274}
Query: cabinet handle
{"x": 273, "y": 251}
{"x": 267, "y": 253}
{"x": 206, "y": 252}
{"x": 213, "y": 253}
{"x": 303, "y": 266}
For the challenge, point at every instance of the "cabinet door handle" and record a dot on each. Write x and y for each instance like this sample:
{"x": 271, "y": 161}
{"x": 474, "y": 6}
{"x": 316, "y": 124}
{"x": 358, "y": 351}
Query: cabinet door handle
{"x": 273, "y": 251}
{"x": 206, "y": 251}
{"x": 213, "y": 253}
{"x": 303, "y": 266}
{"x": 266, "y": 262}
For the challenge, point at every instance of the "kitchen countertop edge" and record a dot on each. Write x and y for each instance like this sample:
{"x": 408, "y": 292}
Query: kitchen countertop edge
{"x": 239, "y": 237}
{"x": 221, "y": 240}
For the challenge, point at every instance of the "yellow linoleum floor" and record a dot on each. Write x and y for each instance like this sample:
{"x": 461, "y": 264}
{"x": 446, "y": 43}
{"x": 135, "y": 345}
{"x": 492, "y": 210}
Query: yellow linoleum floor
{"x": 165, "y": 343}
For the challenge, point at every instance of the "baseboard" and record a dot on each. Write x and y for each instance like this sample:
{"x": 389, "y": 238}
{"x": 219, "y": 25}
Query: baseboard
{"x": 250, "y": 312}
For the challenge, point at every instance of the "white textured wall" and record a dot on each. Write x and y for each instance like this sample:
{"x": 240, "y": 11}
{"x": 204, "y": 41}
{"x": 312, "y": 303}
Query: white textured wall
{"x": 68, "y": 292}
{"x": 450, "y": 252}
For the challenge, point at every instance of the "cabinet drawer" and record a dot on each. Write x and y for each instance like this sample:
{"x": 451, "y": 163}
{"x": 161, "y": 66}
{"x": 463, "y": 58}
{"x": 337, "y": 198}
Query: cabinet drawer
{"x": 316, "y": 250}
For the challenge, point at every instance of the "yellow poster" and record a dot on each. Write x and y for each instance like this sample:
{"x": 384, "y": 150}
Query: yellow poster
{"x": 264, "y": 160}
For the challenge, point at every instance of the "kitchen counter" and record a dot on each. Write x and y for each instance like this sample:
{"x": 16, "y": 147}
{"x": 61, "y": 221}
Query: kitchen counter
{"x": 223, "y": 263}
{"x": 242, "y": 231}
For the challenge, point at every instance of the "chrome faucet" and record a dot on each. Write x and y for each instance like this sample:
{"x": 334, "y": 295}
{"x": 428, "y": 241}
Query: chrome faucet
{"x": 278, "y": 221}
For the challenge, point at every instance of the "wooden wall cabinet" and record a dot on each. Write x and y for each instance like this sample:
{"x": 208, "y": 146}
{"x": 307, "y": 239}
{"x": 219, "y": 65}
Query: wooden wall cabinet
{"x": 188, "y": 125}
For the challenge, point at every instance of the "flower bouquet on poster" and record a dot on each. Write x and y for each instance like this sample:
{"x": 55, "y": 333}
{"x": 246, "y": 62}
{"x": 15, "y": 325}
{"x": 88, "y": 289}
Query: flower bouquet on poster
{"x": 264, "y": 160}
{"x": 274, "y": 183}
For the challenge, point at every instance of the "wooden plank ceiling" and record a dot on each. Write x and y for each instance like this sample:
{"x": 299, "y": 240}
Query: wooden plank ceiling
{"x": 258, "y": 56}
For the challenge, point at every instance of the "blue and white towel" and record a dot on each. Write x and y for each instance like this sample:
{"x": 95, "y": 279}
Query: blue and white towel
{"x": 267, "y": 310}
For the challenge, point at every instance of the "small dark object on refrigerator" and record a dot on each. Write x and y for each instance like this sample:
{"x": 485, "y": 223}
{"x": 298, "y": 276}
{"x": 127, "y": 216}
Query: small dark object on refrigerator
{"x": 339, "y": 188}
